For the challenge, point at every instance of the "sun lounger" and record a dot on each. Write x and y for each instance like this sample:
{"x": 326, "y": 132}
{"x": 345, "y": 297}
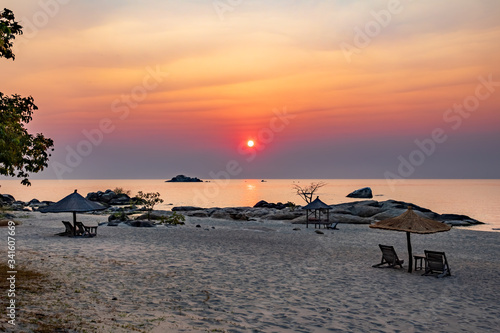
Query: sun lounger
{"x": 436, "y": 263}
{"x": 332, "y": 226}
{"x": 70, "y": 231}
{"x": 389, "y": 257}
{"x": 83, "y": 230}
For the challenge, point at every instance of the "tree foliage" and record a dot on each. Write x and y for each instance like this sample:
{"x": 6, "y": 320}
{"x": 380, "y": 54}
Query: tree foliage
{"x": 150, "y": 200}
{"x": 9, "y": 28}
{"x": 21, "y": 153}
{"x": 307, "y": 192}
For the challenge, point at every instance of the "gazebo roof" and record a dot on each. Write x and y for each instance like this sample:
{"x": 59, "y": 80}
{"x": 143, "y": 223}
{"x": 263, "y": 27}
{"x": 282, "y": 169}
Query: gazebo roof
{"x": 73, "y": 203}
{"x": 317, "y": 204}
{"x": 409, "y": 221}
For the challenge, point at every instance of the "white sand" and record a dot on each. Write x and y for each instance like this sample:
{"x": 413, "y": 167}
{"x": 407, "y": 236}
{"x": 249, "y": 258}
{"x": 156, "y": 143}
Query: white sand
{"x": 254, "y": 277}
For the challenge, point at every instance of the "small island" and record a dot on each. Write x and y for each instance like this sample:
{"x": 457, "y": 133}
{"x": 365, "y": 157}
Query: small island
{"x": 184, "y": 179}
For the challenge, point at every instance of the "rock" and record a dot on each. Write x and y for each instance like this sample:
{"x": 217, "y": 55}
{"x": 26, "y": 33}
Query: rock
{"x": 198, "y": 226}
{"x": 238, "y": 216}
{"x": 319, "y": 232}
{"x": 120, "y": 199}
{"x": 342, "y": 218}
{"x": 364, "y": 192}
{"x": 184, "y": 179}
{"x": 220, "y": 214}
{"x": 141, "y": 224}
{"x": 260, "y": 204}
{"x": 92, "y": 196}
{"x": 365, "y": 211}
{"x": 7, "y": 199}
{"x": 198, "y": 213}
{"x": 185, "y": 208}
{"x": 108, "y": 196}
{"x": 152, "y": 216}
{"x": 296, "y": 229}
{"x": 281, "y": 216}
{"x": 34, "y": 202}
{"x": 389, "y": 213}
{"x": 457, "y": 217}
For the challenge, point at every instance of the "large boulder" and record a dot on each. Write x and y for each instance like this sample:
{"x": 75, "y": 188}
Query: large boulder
{"x": 7, "y": 199}
{"x": 120, "y": 199}
{"x": 107, "y": 196}
{"x": 184, "y": 179}
{"x": 185, "y": 208}
{"x": 141, "y": 224}
{"x": 361, "y": 193}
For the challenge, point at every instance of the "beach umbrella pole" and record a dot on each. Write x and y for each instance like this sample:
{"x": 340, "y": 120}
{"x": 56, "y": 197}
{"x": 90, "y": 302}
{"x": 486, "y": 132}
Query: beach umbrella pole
{"x": 74, "y": 223}
{"x": 410, "y": 255}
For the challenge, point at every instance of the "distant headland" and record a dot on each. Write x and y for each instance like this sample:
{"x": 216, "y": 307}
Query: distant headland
{"x": 184, "y": 179}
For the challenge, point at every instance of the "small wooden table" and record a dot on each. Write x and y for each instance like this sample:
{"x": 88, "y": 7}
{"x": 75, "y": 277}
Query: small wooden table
{"x": 419, "y": 261}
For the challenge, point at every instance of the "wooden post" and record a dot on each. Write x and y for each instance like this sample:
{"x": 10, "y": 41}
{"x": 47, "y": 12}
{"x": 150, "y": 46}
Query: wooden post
{"x": 410, "y": 255}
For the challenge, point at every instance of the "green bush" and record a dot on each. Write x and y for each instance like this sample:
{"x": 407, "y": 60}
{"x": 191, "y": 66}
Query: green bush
{"x": 174, "y": 219}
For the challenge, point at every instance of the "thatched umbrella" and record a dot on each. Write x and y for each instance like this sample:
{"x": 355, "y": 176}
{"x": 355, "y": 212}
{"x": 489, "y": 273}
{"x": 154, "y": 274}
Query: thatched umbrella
{"x": 73, "y": 203}
{"x": 410, "y": 222}
{"x": 317, "y": 206}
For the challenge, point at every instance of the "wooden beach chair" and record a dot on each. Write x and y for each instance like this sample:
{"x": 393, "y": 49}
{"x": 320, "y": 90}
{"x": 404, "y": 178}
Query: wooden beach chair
{"x": 436, "y": 263}
{"x": 389, "y": 257}
{"x": 332, "y": 226}
{"x": 83, "y": 230}
{"x": 69, "y": 229}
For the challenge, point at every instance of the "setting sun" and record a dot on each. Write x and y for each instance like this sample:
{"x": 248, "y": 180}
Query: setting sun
{"x": 250, "y": 143}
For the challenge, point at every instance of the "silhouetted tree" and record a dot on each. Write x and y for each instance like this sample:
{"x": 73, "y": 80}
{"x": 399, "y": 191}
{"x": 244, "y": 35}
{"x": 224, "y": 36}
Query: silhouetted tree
{"x": 21, "y": 153}
{"x": 149, "y": 200}
{"x": 307, "y": 192}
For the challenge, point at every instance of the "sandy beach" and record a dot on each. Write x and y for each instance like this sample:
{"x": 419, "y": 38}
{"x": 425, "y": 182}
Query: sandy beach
{"x": 251, "y": 276}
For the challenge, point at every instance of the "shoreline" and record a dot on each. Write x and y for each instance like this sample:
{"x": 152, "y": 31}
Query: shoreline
{"x": 255, "y": 276}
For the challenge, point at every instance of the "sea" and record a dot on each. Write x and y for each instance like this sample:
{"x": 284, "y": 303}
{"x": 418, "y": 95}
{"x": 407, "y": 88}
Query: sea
{"x": 477, "y": 198}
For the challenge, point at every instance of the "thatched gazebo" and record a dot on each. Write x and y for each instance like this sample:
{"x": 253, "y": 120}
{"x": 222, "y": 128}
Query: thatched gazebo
{"x": 314, "y": 211}
{"x": 410, "y": 222}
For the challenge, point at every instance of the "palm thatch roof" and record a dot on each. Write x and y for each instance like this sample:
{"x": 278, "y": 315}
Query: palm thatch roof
{"x": 317, "y": 204}
{"x": 409, "y": 221}
{"x": 73, "y": 203}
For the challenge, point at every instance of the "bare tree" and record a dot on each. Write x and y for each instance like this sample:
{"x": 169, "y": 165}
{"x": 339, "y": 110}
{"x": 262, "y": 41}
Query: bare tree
{"x": 307, "y": 192}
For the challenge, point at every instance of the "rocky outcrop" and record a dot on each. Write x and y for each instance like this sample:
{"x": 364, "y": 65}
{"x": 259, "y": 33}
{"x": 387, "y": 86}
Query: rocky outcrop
{"x": 7, "y": 199}
{"x": 184, "y": 179}
{"x": 265, "y": 204}
{"x": 362, "y": 193}
{"x": 110, "y": 198}
{"x": 358, "y": 212}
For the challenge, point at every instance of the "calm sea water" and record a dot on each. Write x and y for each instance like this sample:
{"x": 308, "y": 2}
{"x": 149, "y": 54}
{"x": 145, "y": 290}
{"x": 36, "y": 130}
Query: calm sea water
{"x": 479, "y": 199}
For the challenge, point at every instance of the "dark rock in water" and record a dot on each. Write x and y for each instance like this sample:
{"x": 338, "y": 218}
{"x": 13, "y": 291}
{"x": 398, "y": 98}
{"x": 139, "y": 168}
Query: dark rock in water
{"x": 364, "y": 192}
{"x": 184, "y": 179}
{"x": 185, "y": 208}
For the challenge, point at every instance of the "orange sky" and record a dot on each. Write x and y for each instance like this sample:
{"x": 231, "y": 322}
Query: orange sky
{"x": 181, "y": 83}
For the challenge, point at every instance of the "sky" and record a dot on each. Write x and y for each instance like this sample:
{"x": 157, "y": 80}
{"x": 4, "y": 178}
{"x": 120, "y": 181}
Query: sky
{"x": 327, "y": 89}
